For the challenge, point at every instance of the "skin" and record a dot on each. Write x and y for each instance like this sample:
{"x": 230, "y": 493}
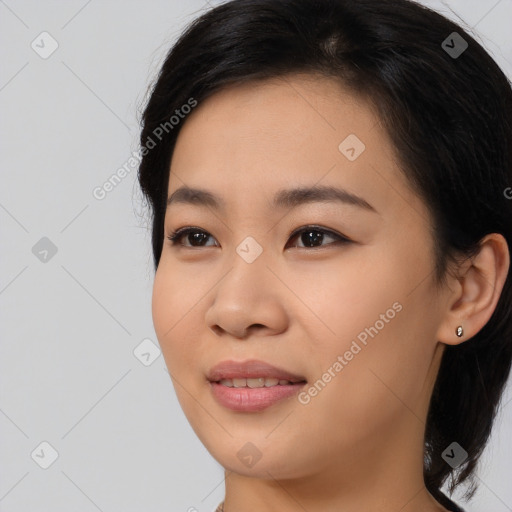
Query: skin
{"x": 358, "y": 444}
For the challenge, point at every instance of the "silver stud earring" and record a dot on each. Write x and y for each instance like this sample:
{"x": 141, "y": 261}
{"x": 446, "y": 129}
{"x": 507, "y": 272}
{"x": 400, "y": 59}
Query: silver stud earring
{"x": 459, "y": 331}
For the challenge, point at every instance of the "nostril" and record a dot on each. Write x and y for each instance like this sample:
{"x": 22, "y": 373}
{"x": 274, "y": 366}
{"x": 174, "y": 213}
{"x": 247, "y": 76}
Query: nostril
{"x": 216, "y": 329}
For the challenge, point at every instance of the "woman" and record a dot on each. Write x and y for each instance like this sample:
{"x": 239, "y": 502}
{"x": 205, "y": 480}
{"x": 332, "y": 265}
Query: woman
{"x": 330, "y": 189}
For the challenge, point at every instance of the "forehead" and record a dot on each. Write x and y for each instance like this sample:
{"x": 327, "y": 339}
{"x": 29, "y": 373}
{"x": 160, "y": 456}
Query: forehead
{"x": 263, "y": 136}
{"x": 283, "y": 112}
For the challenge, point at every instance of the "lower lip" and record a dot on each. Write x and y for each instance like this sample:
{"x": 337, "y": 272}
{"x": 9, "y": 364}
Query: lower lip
{"x": 253, "y": 399}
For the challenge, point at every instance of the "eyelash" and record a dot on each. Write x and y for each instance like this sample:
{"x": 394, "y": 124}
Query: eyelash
{"x": 176, "y": 236}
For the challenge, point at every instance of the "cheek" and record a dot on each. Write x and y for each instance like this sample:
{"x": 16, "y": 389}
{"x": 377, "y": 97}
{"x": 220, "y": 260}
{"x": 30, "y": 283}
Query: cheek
{"x": 163, "y": 303}
{"x": 173, "y": 301}
{"x": 377, "y": 381}
{"x": 405, "y": 358}
{"x": 352, "y": 299}
{"x": 383, "y": 330}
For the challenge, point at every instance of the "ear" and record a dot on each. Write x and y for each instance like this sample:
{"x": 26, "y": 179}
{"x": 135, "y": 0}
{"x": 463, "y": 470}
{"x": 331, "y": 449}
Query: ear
{"x": 475, "y": 292}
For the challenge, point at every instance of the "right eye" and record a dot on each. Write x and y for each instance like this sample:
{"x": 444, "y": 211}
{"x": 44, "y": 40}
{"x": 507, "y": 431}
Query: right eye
{"x": 199, "y": 236}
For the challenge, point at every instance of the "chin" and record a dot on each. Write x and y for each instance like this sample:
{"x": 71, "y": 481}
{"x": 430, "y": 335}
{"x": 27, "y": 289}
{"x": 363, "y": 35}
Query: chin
{"x": 255, "y": 459}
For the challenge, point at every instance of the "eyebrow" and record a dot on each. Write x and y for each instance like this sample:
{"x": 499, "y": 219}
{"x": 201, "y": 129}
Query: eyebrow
{"x": 286, "y": 198}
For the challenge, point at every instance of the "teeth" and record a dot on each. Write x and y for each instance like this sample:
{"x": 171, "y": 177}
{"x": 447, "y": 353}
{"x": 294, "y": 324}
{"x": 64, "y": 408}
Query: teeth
{"x": 254, "y": 383}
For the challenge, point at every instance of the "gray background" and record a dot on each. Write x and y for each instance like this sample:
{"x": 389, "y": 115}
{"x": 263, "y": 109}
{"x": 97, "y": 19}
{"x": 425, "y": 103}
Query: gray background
{"x": 70, "y": 323}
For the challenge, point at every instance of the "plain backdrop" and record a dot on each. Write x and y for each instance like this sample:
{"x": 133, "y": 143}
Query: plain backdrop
{"x": 84, "y": 390}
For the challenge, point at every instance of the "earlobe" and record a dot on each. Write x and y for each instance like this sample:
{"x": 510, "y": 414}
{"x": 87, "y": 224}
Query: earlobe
{"x": 479, "y": 286}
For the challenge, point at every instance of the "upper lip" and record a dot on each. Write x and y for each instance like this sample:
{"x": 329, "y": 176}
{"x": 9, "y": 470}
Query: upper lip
{"x": 250, "y": 369}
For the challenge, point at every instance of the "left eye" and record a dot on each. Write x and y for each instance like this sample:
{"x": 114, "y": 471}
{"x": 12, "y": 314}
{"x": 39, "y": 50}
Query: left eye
{"x": 314, "y": 234}
{"x": 309, "y": 236}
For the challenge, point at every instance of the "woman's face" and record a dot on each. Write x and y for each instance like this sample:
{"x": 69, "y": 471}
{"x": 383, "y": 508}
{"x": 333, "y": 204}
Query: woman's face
{"x": 357, "y": 320}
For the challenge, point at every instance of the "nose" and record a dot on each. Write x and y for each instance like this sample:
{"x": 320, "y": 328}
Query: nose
{"x": 248, "y": 301}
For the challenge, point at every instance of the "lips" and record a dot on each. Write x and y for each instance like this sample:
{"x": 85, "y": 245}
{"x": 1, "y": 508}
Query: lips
{"x": 242, "y": 395}
{"x": 251, "y": 369}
